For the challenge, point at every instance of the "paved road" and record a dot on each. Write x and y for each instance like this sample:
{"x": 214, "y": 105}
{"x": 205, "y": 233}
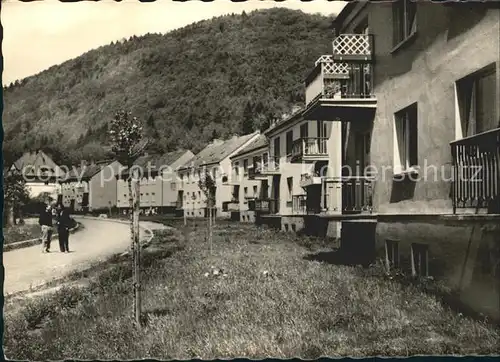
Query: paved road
{"x": 98, "y": 240}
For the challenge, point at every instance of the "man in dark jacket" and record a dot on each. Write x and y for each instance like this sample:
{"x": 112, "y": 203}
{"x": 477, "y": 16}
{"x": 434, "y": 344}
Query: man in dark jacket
{"x": 45, "y": 222}
{"x": 64, "y": 223}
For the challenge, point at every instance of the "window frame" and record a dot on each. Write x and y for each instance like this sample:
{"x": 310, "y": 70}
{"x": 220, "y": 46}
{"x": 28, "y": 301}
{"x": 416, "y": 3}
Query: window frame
{"x": 406, "y": 148}
{"x": 401, "y": 18}
{"x": 467, "y": 100}
{"x": 416, "y": 252}
{"x": 392, "y": 258}
{"x": 289, "y": 143}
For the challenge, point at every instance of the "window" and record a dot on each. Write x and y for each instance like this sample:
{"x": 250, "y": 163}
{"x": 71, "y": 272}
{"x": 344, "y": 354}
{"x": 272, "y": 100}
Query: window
{"x": 277, "y": 147}
{"x": 172, "y": 186}
{"x": 304, "y": 130}
{"x": 245, "y": 167}
{"x": 255, "y": 191}
{"x": 419, "y": 260}
{"x": 289, "y": 143}
{"x": 289, "y": 182}
{"x": 392, "y": 254}
{"x": 245, "y": 191}
{"x": 476, "y": 96}
{"x": 406, "y": 150}
{"x": 237, "y": 168}
{"x": 404, "y": 20}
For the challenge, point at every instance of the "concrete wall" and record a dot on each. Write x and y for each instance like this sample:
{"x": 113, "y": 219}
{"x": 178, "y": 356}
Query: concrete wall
{"x": 451, "y": 42}
{"x": 292, "y": 223}
{"x": 103, "y": 187}
{"x": 287, "y": 169}
{"x": 464, "y": 255}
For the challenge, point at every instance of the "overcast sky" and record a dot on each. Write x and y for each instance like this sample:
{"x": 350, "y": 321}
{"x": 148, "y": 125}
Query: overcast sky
{"x": 40, "y": 34}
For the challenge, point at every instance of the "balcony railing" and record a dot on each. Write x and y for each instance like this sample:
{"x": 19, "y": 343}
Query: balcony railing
{"x": 357, "y": 194}
{"x": 353, "y": 47}
{"x": 308, "y": 179}
{"x": 271, "y": 166}
{"x": 299, "y": 204}
{"x": 267, "y": 206}
{"x": 476, "y": 171}
{"x": 331, "y": 80}
{"x": 312, "y": 148}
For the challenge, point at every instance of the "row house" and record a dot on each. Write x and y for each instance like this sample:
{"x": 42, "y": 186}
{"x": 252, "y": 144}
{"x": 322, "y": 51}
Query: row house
{"x": 214, "y": 160}
{"x": 158, "y": 181}
{"x": 409, "y": 102}
{"x": 250, "y": 190}
{"x": 91, "y": 187}
{"x": 40, "y": 172}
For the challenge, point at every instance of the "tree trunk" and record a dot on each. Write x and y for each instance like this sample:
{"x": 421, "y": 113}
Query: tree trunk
{"x": 137, "y": 249}
{"x": 210, "y": 226}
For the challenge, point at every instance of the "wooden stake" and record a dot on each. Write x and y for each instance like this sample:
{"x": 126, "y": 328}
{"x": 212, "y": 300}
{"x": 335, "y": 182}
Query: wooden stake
{"x": 136, "y": 247}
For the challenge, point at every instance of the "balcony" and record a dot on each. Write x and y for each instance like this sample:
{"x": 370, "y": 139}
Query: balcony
{"x": 267, "y": 168}
{"x": 342, "y": 82}
{"x": 307, "y": 180}
{"x": 357, "y": 194}
{"x": 309, "y": 149}
{"x": 299, "y": 204}
{"x": 231, "y": 206}
{"x": 353, "y": 48}
{"x": 267, "y": 206}
{"x": 476, "y": 172}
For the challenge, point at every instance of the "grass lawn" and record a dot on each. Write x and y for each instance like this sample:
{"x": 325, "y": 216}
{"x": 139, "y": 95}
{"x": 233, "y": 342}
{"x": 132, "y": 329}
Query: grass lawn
{"x": 24, "y": 232}
{"x": 268, "y": 300}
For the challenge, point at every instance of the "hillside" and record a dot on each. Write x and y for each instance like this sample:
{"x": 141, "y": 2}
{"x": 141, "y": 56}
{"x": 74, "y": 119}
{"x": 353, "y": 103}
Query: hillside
{"x": 208, "y": 80}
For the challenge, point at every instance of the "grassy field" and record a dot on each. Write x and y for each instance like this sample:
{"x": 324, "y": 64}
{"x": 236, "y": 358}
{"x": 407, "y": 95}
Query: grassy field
{"x": 260, "y": 294}
{"x": 17, "y": 233}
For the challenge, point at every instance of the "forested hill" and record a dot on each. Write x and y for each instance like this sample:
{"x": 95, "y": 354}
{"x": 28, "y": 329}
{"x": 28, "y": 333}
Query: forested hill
{"x": 211, "y": 79}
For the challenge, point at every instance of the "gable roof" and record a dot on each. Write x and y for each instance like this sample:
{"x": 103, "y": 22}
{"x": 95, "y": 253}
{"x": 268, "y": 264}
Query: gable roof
{"x": 86, "y": 172}
{"x": 259, "y": 142}
{"x": 218, "y": 151}
{"x": 37, "y": 163}
{"x": 287, "y": 119}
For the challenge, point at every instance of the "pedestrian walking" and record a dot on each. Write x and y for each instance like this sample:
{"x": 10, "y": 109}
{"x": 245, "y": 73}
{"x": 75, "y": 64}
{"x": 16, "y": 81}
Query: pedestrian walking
{"x": 46, "y": 223}
{"x": 63, "y": 225}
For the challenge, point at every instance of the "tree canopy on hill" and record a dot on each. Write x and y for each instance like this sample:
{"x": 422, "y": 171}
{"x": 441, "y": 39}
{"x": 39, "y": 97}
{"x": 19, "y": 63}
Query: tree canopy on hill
{"x": 211, "y": 79}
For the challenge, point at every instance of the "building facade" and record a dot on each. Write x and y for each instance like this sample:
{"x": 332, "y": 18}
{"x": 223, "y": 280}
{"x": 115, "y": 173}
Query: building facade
{"x": 250, "y": 193}
{"x": 400, "y": 96}
{"x": 40, "y": 172}
{"x": 91, "y": 187}
{"x": 215, "y": 161}
{"x": 157, "y": 174}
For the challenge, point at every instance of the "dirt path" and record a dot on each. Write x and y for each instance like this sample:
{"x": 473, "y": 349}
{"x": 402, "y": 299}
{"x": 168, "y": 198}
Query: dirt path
{"x": 28, "y": 268}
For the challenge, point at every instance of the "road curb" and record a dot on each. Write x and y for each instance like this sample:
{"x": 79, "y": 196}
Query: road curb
{"x": 32, "y": 242}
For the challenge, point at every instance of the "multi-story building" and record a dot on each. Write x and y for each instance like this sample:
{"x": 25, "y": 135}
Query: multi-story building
{"x": 412, "y": 90}
{"x": 215, "y": 161}
{"x": 157, "y": 175}
{"x": 250, "y": 191}
{"x": 40, "y": 172}
{"x": 91, "y": 187}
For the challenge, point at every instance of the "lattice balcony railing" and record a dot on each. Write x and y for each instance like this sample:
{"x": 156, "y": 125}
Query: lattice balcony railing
{"x": 352, "y": 47}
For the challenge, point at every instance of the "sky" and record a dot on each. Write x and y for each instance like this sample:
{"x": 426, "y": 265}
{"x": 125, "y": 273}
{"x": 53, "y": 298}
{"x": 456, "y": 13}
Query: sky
{"x": 40, "y": 34}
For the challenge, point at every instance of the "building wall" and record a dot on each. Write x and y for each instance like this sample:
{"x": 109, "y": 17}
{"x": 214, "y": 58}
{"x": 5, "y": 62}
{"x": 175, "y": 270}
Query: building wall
{"x": 170, "y": 182}
{"x": 465, "y": 255}
{"x": 36, "y": 188}
{"x": 287, "y": 169}
{"x": 189, "y": 185}
{"x": 103, "y": 187}
{"x": 451, "y": 42}
{"x": 253, "y": 187}
{"x": 74, "y": 190}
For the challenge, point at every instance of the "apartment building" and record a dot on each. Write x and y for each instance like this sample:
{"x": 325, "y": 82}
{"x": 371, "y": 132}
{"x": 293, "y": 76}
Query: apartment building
{"x": 250, "y": 191}
{"x": 157, "y": 175}
{"x": 412, "y": 91}
{"x": 214, "y": 160}
{"x": 91, "y": 187}
{"x": 40, "y": 172}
